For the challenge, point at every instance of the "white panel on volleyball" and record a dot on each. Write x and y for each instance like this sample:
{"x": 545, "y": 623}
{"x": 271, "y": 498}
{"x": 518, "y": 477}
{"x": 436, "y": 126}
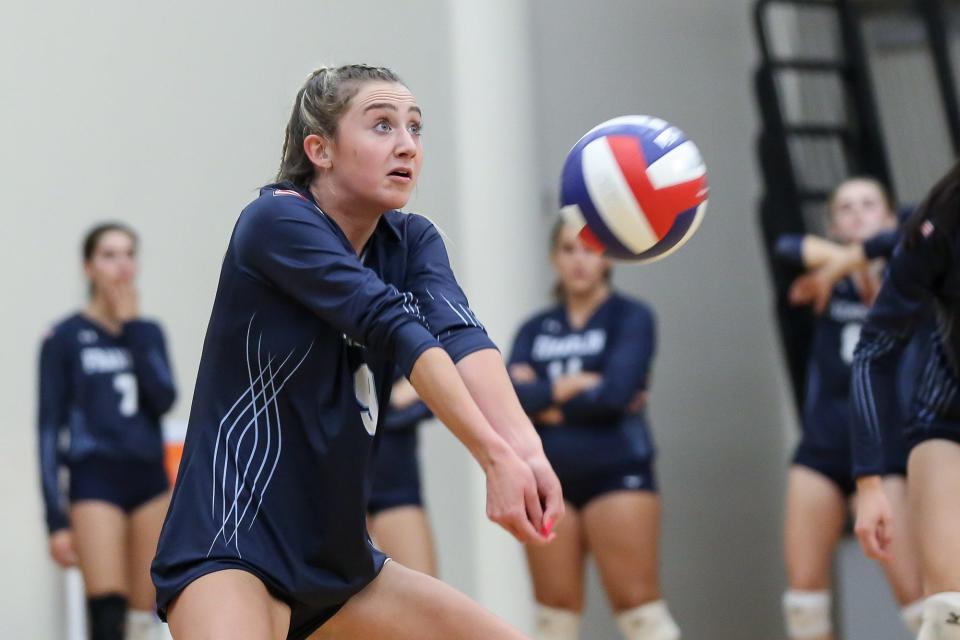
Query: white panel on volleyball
{"x": 681, "y": 164}
{"x": 573, "y": 216}
{"x": 613, "y": 199}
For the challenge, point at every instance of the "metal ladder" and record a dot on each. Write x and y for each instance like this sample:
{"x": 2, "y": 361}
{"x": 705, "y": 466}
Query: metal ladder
{"x": 821, "y": 124}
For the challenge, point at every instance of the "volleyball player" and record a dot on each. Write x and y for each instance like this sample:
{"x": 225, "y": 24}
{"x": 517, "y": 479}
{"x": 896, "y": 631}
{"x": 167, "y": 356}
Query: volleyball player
{"x": 923, "y": 271}
{"x": 581, "y": 369}
{"x": 105, "y": 382}
{"x": 325, "y": 289}
{"x": 820, "y": 480}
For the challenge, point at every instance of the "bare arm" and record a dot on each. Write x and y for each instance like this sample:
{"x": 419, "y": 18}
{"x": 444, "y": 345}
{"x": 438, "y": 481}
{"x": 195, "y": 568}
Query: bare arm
{"x": 486, "y": 377}
{"x": 513, "y": 498}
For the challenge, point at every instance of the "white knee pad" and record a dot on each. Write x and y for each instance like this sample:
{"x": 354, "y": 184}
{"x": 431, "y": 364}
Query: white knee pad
{"x": 651, "y": 621}
{"x": 141, "y": 625}
{"x": 941, "y": 616}
{"x": 912, "y": 616}
{"x": 557, "y": 624}
{"x": 807, "y": 614}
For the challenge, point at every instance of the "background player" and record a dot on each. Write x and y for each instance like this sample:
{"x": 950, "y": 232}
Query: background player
{"x": 105, "y": 380}
{"x": 923, "y": 269}
{"x": 398, "y": 522}
{"x": 820, "y": 480}
{"x": 581, "y": 370}
{"x": 325, "y": 289}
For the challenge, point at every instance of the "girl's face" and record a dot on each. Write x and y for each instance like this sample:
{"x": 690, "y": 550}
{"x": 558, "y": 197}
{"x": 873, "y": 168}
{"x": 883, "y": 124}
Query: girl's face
{"x": 859, "y": 211}
{"x": 114, "y": 261}
{"x": 376, "y": 154}
{"x": 581, "y": 270}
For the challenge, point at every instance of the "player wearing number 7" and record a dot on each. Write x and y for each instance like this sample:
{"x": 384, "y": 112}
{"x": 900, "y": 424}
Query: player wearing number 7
{"x": 105, "y": 378}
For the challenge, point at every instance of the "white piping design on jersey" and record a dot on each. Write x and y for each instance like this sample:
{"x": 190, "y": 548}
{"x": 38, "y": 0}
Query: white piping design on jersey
{"x": 411, "y": 305}
{"x": 267, "y": 394}
{"x": 470, "y": 319}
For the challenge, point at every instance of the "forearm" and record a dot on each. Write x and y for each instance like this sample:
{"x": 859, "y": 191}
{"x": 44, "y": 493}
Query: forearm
{"x": 154, "y": 377}
{"x": 486, "y": 378}
{"x": 56, "y": 518}
{"x": 817, "y": 252}
{"x": 534, "y": 396}
{"x": 594, "y": 406}
{"x": 439, "y": 385}
{"x": 869, "y": 483}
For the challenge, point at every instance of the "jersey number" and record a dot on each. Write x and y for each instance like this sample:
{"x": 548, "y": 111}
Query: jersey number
{"x": 366, "y": 392}
{"x": 569, "y": 367}
{"x": 126, "y": 385}
{"x": 849, "y": 337}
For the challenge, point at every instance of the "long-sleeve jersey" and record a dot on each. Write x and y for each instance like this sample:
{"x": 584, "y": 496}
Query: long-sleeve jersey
{"x": 618, "y": 342}
{"x": 835, "y": 337}
{"x": 918, "y": 274}
{"x": 300, "y": 353}
{"x": 107, "y": 392}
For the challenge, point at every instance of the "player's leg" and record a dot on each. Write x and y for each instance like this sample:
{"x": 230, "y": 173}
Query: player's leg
{"x": 557, "y": 573}
{"x": 903, "y": 568}
{"x": 404, "y": 534}
{"x": 231, "y": 604}
{"x": 144, "y": 530}
{"x": 816, "y": 510}
{"x": 100, "y": 537}
{"x": 622, "y": 529}
{"x": 403, "y": 604}
{"x": 934, "y": 473}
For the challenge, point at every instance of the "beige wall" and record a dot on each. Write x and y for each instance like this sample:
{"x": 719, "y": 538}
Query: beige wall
{"x": 718, "y": 405}
{"x": 170, "y": 116}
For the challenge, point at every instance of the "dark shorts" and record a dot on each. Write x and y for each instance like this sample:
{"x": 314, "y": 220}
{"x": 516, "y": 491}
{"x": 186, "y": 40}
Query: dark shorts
{"x": 917, "y": 434}
{"x": 825, "y": 448}
{"x": 396, "y": 479}
{"x": 127, "y": 483}
{"x": 579, "y": 490}
{"x": 592, "y": 462}
{"x": 305, "y": 616}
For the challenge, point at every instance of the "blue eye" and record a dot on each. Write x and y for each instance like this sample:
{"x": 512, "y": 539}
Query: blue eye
{"x": 416, "y": 128}
{"x": 383, "y": 126}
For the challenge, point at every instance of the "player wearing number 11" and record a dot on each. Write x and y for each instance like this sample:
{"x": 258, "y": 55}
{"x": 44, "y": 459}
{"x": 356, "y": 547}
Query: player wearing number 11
{"x": 105, "y": 378}
{"x": 581, "y": 369}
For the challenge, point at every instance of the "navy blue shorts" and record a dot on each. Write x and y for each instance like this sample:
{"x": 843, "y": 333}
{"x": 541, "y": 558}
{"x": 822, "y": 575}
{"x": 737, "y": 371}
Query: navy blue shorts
{"x": 305, "y": 616}
{"x": 396, "y": 479}
{"x": 917, "y": 434}
{"x": 126, "y": 483}
{"x": 592, "y": 462}
{"x": 825, "y": 448}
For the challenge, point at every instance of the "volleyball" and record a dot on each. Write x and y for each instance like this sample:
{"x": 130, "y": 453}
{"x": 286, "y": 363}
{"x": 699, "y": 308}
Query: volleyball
{"x": 636, "y": 187}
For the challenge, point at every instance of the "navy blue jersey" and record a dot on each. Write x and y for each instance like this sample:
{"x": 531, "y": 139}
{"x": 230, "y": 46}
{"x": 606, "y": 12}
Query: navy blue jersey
{"x": 300, "y": 353}
{"x": 919, "y": 274}
{"x": 618, "y": 342}
{"x": 835, "y": 337}
{"x": 106, "y": 391}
